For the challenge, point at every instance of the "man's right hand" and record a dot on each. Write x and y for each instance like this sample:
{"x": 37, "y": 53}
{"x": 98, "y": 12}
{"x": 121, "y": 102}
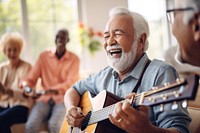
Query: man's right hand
{"x": 74, "y": 116}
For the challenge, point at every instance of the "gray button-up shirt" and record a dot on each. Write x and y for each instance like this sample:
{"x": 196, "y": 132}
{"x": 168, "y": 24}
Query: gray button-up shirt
{"x": 157, "y": 73}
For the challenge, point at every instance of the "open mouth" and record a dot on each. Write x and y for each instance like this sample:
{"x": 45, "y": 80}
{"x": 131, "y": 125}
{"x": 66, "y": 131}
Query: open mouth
{"x": 115, "y": 52}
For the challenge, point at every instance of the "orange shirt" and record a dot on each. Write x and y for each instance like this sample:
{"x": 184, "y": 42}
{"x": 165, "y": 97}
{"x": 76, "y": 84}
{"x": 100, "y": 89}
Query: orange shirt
{"x": 57, "y": 74}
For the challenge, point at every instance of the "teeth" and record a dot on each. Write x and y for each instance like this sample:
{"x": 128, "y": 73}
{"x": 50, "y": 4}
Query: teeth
{"x": 115, "y": 50}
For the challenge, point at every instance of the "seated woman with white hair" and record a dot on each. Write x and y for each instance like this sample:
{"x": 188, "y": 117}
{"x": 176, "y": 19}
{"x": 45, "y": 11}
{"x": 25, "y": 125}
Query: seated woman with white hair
{"x": 14, "y": 107}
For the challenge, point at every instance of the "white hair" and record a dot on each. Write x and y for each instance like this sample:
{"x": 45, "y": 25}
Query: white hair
{"x": 195, "y": 4}
{"x": 140, "y": 24}
{"x": 13, "y": 38}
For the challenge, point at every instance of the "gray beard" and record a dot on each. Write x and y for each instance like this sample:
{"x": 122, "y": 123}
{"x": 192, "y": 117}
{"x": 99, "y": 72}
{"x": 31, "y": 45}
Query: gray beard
{"x": 125, "y": 61}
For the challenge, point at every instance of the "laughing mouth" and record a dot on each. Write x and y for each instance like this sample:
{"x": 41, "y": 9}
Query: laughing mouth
{"x": 115, "y": 52}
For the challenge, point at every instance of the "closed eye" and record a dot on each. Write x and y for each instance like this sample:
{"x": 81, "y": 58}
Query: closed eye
{"x": 119, "y": 32}
{"x": 107, "y": 36}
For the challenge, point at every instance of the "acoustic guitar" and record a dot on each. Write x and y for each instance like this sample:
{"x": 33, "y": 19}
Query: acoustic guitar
{"x": 98, "y": 108}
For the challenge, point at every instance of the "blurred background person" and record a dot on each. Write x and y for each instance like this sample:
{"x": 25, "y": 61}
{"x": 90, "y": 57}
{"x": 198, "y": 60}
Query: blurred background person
{"x": 14, "y": 107}
{"x": 58, "y": 69}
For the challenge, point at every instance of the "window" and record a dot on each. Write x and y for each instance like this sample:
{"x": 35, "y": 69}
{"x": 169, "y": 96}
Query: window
{"x": 44, "y": 18}
{"x": 154, "y": 12}
{"x": 10, "y": 18}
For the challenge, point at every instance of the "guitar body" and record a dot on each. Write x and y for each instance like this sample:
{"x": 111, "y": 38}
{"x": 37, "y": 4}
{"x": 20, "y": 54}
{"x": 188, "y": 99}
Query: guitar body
{"x": 87, "y": 104}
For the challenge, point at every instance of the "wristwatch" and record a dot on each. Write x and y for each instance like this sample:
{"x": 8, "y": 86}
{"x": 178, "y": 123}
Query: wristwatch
{"x": 27, "y": 89}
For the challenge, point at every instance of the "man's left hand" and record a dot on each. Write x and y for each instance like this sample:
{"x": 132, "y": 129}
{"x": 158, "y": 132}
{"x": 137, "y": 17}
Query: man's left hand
{"x": 130, "y": 119}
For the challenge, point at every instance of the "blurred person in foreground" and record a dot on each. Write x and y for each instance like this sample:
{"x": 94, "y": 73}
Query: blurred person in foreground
{"x": 185, "y": 57}
{"x": 125, "y": 42}
{"x": 58, "y": 69}
{"x": 185, "y": 21}
{"x": 14, "y": 107}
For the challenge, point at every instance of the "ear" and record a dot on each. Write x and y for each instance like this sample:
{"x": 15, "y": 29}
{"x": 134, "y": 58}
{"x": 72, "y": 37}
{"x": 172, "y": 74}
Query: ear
{"x": 196, "y": 27}
{"x": 142, "y": 38}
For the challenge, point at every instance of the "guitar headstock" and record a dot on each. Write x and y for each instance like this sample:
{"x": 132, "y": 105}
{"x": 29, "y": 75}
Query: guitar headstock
{"x": 181, "y": 89}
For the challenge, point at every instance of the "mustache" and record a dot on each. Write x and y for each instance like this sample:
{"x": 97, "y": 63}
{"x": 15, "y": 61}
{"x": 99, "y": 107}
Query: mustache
{"x": 116, "y": 46}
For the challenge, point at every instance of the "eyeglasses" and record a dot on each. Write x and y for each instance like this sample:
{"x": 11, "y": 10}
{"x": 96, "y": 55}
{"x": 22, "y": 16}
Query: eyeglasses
{"x": 172, "y": 12}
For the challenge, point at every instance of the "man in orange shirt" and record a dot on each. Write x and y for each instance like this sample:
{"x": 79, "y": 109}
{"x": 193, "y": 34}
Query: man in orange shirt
{"x": 58, "y": 69}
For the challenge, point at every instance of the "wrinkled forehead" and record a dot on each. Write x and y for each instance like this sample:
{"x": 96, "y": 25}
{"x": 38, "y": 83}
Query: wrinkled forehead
{"x": 123, "y": 21}
{"x": 178, "y": 3}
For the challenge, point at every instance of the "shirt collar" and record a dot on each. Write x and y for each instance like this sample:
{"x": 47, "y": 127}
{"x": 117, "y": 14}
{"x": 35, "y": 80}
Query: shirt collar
{"x": 52, "y": 53}
{"x": 137, "y": 71}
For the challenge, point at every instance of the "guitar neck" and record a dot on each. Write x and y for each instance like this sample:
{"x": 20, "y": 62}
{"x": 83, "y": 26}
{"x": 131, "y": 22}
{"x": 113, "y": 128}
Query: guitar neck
{"x": 101, "y": 115}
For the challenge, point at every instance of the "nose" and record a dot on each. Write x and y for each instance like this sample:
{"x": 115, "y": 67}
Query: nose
{"x": 111, "y": 40}
{"x": 12, "y": 52}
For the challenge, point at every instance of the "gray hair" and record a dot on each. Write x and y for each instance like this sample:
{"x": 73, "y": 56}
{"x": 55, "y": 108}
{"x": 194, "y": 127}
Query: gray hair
{"x": 195, "y": 4}
{"x": 140, "y": 24}
{"x": 13, "y": 38}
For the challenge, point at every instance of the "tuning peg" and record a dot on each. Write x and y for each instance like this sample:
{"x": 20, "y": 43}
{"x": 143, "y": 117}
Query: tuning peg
{"x": 164, "y": 96}
{"x": 174, "y": 106}
{"x": 184, "y": 104}
{"x": 166, "y": 84}
{"x": 179, "y": 80}
{"x": 154, "y": 88}
{"x": 161, "y": 107}
{"x": 176, "y": 93}
{"x": 152, "y": 99}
